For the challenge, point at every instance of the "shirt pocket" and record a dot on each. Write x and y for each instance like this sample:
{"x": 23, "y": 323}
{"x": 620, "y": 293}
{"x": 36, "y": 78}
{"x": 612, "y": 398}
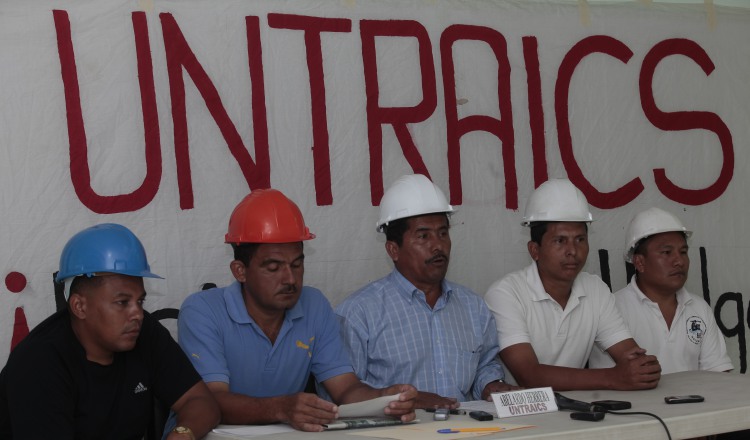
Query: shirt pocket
{"x": 465, "y": 362}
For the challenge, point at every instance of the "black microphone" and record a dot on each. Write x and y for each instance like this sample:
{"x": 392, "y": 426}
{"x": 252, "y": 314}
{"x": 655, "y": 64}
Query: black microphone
{"x": 576, "y": 405}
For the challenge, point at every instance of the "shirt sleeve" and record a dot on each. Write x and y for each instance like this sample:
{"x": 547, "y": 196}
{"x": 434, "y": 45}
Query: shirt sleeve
{"x": 714, "y": 355}
{"x": 200, "y": 338}
{"x": 509, "y": 314}
{"x": 329, "y": 357}
{"x": 612, "y": 328}
{"x": 489, "y": 368}
{"x": 354, "y": 334}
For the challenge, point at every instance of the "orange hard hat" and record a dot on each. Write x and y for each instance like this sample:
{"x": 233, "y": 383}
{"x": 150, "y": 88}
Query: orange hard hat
{"x": 267, "y": 216}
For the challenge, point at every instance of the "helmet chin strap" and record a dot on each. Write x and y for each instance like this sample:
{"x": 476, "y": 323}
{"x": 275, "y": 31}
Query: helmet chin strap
{"x": 66, "y": 291}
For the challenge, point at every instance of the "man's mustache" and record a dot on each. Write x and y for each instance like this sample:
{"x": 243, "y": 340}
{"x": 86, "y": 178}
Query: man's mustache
{"x": 436, "y": 257}
{"x": 289, "y": 288}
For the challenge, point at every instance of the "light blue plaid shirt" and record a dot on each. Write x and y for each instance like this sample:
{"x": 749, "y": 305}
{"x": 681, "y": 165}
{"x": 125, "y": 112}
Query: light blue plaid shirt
{"x": 394, "y": 336}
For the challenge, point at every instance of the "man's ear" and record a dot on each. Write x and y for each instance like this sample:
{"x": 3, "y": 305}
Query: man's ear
{"x": 77, "y": 305}
{"x": 239, "y": 270}
{"x": 639, "y": 262}
{"x": 533, "y": 248}
{"x": 393, "y": 250}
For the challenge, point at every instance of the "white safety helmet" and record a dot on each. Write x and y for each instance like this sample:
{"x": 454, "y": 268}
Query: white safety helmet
{"x": 557, "y": 200}
{"x": 411, "y": 195}
{"x": 651, "y": 222}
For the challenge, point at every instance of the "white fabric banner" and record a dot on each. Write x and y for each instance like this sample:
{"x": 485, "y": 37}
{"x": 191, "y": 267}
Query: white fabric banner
{"x": 162, "y": 115}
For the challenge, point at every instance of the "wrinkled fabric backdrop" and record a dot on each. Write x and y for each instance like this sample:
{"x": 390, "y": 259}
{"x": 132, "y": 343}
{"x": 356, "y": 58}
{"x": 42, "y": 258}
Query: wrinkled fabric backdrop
{"x": 162, "y": 115}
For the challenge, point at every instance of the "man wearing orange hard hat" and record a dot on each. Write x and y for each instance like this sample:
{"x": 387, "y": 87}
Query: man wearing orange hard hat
{"x": 256, "y": 341}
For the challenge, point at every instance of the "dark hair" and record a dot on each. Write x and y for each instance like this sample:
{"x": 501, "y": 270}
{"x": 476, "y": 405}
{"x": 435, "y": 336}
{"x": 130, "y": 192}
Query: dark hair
{"x": 244, "y": 251}
{"x": 538, "y": 229}
{"x": 394, "y": 230}
{"x": 640, "y": 246}
{"x": 83, "y": 283}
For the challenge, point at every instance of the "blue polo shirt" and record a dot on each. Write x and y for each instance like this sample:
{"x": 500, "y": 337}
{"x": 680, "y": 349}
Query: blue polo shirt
{"x": 226, "y": 345}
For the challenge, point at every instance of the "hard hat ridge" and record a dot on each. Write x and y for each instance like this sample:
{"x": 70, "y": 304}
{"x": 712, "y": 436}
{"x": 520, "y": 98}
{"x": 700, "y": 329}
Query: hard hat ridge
{"x": 557, "y": 200}
{"x": 266, "y": 216}
{"x": 651, "y": 222}
{"x": 104, "y": 248}
{"x": 411, "y": 195}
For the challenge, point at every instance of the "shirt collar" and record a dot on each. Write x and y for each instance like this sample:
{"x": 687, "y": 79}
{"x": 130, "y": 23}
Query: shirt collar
{"x": 538, "y": 293}
{"x": 683, "y": 296}
{"x": 409, "y": 291}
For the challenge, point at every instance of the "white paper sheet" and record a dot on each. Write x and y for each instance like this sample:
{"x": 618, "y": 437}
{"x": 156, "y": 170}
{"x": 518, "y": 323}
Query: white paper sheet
{"x": 373, "y": 407}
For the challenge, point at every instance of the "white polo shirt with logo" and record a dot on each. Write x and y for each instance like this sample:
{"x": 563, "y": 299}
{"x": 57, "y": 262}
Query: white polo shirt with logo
{"x": 526, "y": 313}
{"x": 693, "y": 342}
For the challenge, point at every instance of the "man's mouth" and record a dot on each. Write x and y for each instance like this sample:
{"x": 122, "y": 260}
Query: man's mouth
{"x": 438, "y": 259}
{"x": 134, "y": 331}
{"x": 288, "y": 291}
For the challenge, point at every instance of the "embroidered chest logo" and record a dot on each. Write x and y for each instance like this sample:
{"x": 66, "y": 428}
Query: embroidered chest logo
{"x": 696, "y": 328}
{"x": 139, "y": 388}
{"x": 304, "y": 346}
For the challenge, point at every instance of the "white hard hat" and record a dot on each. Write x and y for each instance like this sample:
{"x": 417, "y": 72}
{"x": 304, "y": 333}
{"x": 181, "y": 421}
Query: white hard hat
{"x": 557, "y": 200}
{"x": 650, "y": 222}
{"x": 410, "y": 195}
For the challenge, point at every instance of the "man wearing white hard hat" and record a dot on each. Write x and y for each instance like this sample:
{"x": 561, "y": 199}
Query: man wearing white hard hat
{"x": 413, "y": 325}
{"x": 551, "y": 314}
{"x": 665, "y": 319}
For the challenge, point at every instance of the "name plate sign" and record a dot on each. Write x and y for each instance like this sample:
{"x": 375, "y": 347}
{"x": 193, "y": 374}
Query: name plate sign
{"x": 524, "y": 402}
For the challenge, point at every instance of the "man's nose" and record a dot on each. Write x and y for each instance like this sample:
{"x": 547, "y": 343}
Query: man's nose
{"x": 288, "y": 275}
{"x": 571, "y": 248}
{"x": 136, "y": 311}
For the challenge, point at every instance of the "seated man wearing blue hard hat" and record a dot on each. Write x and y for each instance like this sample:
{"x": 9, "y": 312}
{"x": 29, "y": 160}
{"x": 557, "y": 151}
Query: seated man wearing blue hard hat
{"x": 256, "y": 341}
{"x": 91, "y": 371}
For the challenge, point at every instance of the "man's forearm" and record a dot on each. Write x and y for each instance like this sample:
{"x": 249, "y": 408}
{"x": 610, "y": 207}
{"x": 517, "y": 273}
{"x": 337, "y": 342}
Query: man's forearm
{"x": 565, "y": 378}
{"x": 239, "y": 409}
{"x": 200, "y": 414}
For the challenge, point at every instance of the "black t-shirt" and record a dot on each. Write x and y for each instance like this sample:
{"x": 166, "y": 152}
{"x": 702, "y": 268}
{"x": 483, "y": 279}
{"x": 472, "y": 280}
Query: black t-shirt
{"x": 48, "y": 389}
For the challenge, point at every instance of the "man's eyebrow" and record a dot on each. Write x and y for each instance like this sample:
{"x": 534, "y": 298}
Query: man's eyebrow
{"x": 429, "y": 228}
{"x": 269, "y": 261}
{"x": 129, "y": 295}
{"x": 670, "y": 246}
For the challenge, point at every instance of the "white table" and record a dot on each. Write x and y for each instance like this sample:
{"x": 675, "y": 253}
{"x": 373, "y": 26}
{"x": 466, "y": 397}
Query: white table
{"x": 726, "y": 408}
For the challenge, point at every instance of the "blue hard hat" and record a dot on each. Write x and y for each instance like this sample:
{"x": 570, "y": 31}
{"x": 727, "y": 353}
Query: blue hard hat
{"x": 108, "y": 247}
